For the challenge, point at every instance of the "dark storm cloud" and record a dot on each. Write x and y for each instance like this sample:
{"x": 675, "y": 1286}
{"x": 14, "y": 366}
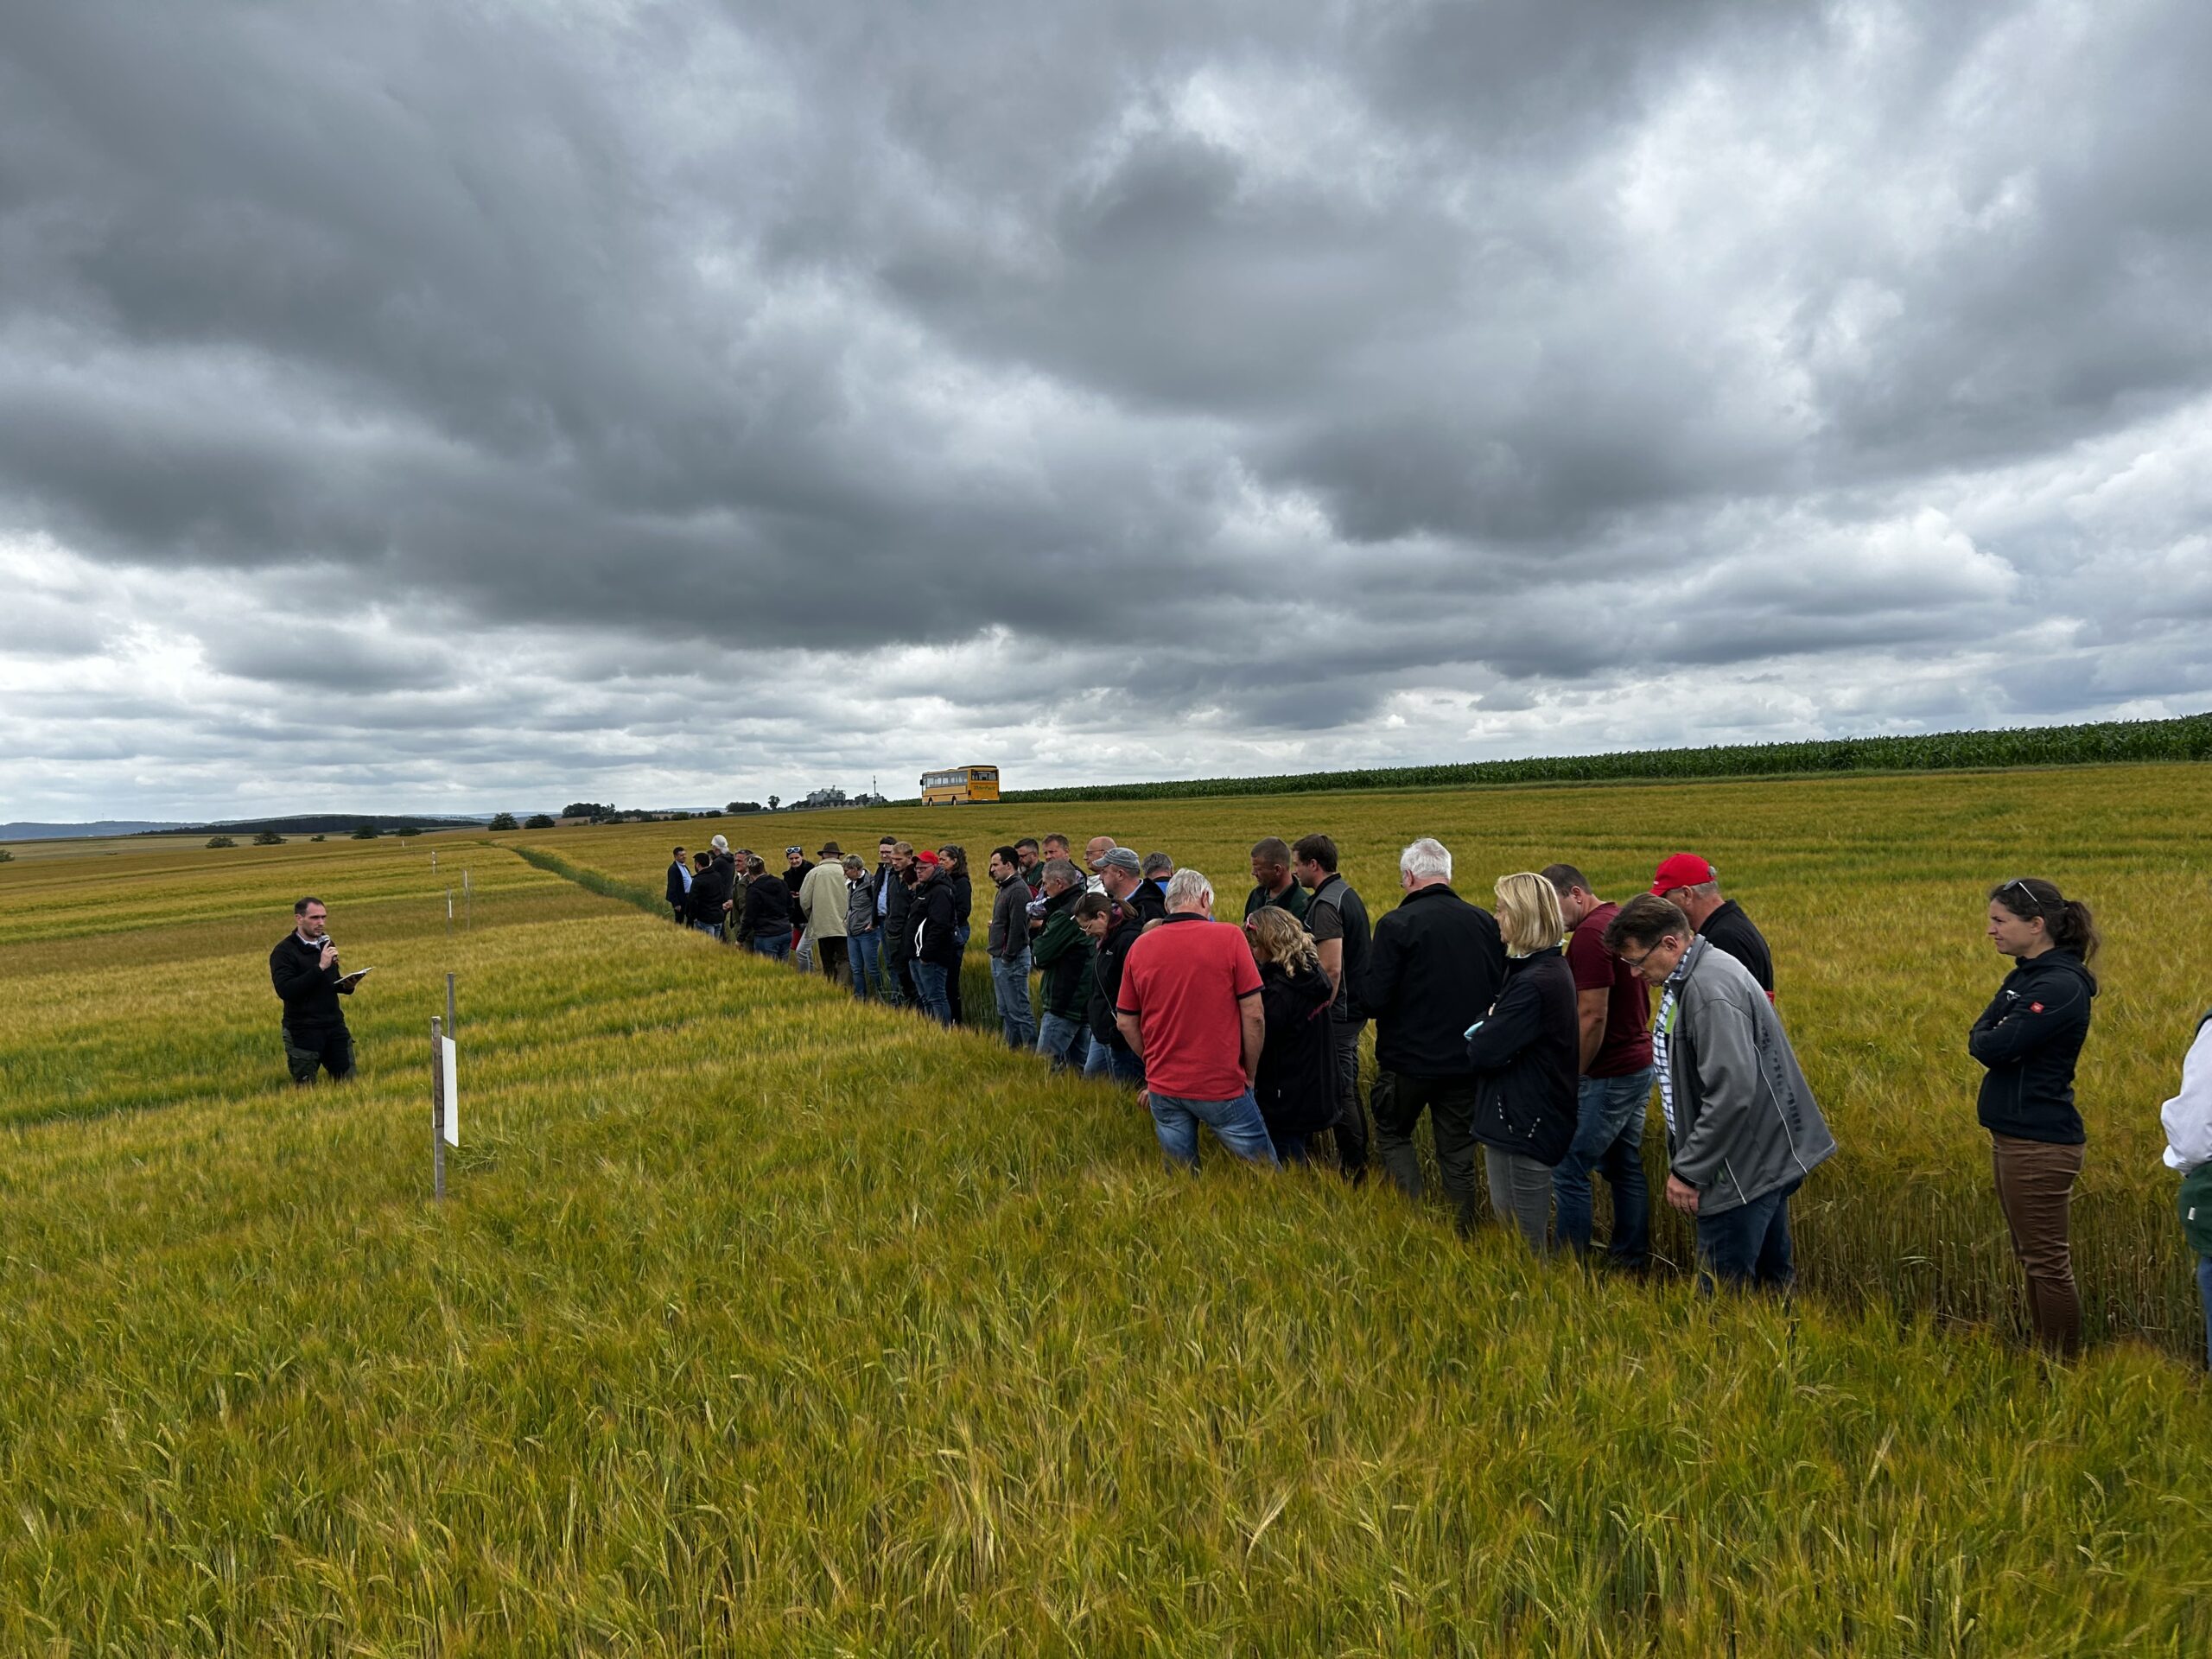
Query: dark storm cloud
{"x": 1354, "y": 374}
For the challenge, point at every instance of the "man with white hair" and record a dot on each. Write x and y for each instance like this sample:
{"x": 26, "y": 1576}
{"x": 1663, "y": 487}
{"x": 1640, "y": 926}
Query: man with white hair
{"x": 1434, "y": 969}
{"x": 1189, "y": 1006}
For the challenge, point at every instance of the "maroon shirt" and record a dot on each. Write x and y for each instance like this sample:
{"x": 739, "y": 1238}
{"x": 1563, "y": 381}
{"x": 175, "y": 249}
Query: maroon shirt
{"x": 1626, "y": 1045}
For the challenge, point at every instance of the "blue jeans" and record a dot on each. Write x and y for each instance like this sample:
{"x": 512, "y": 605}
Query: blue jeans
{"x": 1010, "y": 981}
{"x": 1105, "y": 1060}
{"x": 929, "y": 981}
{"x": 1064, "y": 1041}
{"x": 776, "y": 942}
{"x": 1748, "y": 1247}
{"x": 864, "y": 960}
{"x": 712, "y": 929}
{"x": 1237, "y": 1123}
{"x": 2204, "y": 1289}
{"x": 960, "y": 936}
{"x": 1609, "y": 1141}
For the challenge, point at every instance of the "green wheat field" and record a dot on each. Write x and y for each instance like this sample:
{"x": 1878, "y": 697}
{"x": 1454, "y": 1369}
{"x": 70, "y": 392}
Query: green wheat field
{"x": 757, "y": 1323}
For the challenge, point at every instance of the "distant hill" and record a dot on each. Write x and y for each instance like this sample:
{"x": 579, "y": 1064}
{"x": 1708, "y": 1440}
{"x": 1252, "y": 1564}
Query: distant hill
{"x": 25, "y": 831}
{"x": 328, "y": 823}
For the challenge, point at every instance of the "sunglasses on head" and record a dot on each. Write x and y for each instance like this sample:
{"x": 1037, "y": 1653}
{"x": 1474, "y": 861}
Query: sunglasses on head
{"x": 2021, "y": 882}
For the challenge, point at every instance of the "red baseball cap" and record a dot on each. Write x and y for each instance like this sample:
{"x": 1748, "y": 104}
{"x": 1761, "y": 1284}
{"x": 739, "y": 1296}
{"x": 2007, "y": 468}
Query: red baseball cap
{"x": 1681, "y": 870}
{"x": 925, "y": 857}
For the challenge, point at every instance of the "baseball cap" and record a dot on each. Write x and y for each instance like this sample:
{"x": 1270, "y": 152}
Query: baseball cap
{"x": 1681, "y": 870}
{"x": 925, "y": 857}
{"x": 1121, "y": 858}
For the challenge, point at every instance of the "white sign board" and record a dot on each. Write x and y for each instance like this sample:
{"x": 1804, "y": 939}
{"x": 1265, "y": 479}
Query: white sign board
{"x": 450, "y": 1074}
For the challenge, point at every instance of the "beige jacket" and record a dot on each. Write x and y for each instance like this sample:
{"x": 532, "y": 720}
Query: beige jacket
{"x": 821, "y": 900}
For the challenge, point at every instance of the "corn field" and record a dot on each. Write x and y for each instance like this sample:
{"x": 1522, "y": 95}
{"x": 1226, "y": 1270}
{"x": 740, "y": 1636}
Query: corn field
{"x": 2100, "y": 743}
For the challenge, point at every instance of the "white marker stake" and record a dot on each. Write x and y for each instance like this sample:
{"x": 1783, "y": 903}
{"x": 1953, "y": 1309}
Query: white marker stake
{"x": 449, "y": 1073}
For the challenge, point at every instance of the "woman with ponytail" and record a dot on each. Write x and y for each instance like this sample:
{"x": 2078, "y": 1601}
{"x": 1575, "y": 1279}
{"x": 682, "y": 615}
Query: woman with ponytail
{"x": 2029, "y": 1038}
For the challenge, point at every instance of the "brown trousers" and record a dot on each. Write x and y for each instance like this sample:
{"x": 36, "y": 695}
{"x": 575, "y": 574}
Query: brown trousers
{"x": 2035, "y": 1187}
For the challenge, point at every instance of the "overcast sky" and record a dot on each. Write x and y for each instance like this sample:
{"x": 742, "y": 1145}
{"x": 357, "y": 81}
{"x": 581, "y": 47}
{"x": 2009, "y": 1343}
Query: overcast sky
{"x": 472, "y": 405}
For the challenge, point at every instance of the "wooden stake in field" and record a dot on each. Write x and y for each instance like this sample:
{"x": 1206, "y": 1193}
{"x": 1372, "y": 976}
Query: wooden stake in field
{"x": 448, "y": 912}
{"x": 445, "y": 1091}
{"x": 437, "y": 1109}
{"x": 468, "y": 904}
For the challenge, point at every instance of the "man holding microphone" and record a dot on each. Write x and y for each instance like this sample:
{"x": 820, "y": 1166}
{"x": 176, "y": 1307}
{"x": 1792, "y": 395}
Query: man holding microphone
{"x": 304, "y": 969}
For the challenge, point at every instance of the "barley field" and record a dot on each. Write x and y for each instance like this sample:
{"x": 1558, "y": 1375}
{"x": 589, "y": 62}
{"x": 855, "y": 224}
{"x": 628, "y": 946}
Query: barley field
{"x": 755, "y": 1323}
{"x": 1873, "y": 894}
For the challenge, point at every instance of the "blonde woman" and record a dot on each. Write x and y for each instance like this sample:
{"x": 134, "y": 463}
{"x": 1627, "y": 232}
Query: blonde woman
{"x": 1526, "y": 1053}
{"x": 1296, "y": 1083}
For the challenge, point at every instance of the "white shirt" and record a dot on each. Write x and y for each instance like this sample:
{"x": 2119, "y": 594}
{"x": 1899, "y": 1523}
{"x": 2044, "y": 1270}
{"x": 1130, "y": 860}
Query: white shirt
{"x": 2187, "y": 1115}
{"x": 1662, "y": 1033}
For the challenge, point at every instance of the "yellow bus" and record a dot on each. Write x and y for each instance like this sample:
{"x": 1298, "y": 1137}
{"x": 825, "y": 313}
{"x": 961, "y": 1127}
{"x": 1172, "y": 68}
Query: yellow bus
{"x": 959, "y": 784}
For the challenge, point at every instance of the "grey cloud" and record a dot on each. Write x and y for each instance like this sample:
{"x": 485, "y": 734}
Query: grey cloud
{"x": 1167, "y": 375}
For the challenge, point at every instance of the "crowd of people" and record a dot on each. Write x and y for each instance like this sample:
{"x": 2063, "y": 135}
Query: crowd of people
{"x": 1529, "y": 1031}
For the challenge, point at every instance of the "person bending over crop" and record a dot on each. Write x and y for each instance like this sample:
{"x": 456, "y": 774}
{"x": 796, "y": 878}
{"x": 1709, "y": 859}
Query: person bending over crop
{"x": 1190, "y": 1007}
{"x": 1063, "y": 958}
{"x": 1614, "y": 1009}
{"x": 1433, "y": 968}
{"x": 1742, "y": 1129}
{"x": 1525, "y": 1053}
{"x": 2029, "y": 1038}
{"x": 1296, "y": 1083}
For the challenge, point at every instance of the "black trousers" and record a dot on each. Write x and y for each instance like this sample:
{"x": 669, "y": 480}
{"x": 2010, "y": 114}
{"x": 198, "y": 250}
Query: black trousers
{"x": 830, "y": 957}
{"x": 308, "y": 1051}
{"x": 1450, "y": 1102}
{"x": 1351, "y": 1114}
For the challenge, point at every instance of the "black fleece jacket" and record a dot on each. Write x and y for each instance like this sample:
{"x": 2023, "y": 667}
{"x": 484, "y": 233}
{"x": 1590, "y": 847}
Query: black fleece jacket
{"x": 1433, "y": 968}
{"x": 1527, "y": 1054}
{"x": 1296, "y": 1083}
{"x": 310, "y": 993}
{"x": 1123, "y": 931}
{"x": 2030, "y": 1037}
{"x": 767, "y": 906}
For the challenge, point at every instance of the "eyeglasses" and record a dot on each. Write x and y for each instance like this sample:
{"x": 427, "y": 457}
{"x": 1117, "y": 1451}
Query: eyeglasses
{"x": 2021, "y": 882}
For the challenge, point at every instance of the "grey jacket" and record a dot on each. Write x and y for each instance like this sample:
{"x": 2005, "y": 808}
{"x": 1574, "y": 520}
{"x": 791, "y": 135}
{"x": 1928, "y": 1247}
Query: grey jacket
{"x": 1009, "y": 936}
{"x": 1746, "y": 1121}
{"x": 859, "y": 906}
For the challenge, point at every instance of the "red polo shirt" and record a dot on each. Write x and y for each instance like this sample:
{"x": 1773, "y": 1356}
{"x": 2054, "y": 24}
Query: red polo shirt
{"x": 1185, "y": 981}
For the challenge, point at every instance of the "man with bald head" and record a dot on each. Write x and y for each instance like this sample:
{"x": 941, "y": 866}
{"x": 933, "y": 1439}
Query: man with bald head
{"x": 1094, "y": 851}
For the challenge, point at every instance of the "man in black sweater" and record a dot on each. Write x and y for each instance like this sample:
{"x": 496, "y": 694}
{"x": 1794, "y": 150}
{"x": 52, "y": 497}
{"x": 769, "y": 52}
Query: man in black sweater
{"x": 303, "y": 969}
{"x": 1433, "y": 968}
{"x": 1689, "y": 881}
